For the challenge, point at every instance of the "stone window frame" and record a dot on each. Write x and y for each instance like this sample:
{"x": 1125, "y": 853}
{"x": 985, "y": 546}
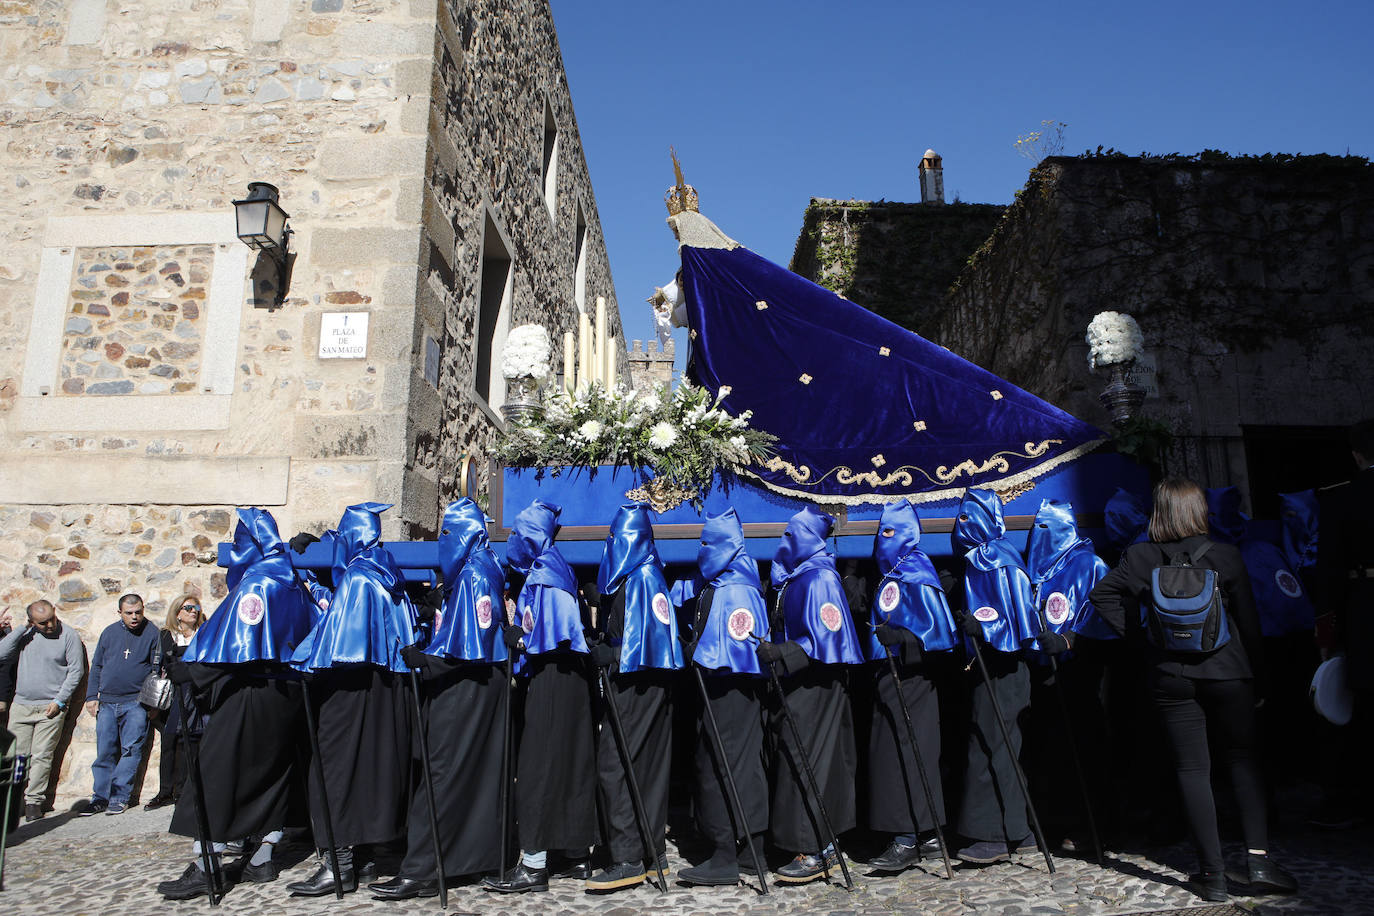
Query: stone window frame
{"x": 37, "y": 408}
{"x": 496, "y": 392}
{"x": 582, "y": 237}
{"x": 548, "y": 161}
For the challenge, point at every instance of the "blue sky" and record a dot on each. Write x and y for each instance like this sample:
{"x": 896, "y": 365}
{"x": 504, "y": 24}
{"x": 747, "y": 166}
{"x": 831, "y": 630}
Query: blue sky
{"x": 772, "y": 103}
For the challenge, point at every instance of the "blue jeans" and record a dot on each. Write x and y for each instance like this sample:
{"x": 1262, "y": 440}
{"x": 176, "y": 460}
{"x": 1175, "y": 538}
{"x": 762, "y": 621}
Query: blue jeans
{"x": 119, "y": 732}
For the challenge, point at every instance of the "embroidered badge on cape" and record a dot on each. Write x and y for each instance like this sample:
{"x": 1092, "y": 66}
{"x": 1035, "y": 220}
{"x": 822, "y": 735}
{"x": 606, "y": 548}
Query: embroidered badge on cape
{"x": 251, "y": 610}
{"x": 1057, "y": 608}
{"x": 740, "y": 623}
{"x": 662, "y": 609}
{"x": 1288, "y": 583}
{"x": 889, "y": 597}
{"x": 527, "y": 621}
{"x": 484, "y": 612}
{"x": 985, "y": 614}
{"x": 830, "y": 616}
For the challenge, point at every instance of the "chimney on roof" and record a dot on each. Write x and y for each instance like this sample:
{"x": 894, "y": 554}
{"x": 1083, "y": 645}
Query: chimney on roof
{"x": 932, "y": 178}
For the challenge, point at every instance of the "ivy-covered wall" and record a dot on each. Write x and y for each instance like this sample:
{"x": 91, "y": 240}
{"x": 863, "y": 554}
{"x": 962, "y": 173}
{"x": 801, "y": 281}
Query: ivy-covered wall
{"x": 1252, "y": 279}
{"x": 896, "y": 259}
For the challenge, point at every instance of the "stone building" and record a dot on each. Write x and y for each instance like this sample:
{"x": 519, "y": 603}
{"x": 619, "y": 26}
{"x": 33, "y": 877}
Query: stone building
{"x": 650, "y": 366}
{"x": 1250, "y": 278}
{"x": 429, "y": 158}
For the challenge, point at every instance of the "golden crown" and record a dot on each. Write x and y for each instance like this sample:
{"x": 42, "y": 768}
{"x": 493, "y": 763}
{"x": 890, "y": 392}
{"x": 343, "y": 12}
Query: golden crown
{"x": 680, "y": 196}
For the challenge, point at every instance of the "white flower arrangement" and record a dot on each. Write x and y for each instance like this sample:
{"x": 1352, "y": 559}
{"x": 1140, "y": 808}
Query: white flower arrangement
{"x": 1113, "y": 337}
{"x": 526, "y": 354}
{"x": 684, "y": 435}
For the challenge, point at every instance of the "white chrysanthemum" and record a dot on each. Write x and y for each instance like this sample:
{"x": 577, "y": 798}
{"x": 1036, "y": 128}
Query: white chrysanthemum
{"x": 1113, "y": 337}
{"x": 590, "y": 431}
{"x": 556, "y": 409}
{"x": 526, "y": 354}
{"x": 662, "y": 435}
{"x": 647, "y": 402}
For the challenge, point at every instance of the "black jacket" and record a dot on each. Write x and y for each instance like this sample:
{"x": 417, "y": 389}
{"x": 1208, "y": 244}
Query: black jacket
{"x": 1118, "y": 597}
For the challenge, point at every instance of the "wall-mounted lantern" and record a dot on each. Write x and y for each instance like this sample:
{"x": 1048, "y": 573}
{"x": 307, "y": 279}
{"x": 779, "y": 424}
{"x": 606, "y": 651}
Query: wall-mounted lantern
{"x": 262, "y": 226}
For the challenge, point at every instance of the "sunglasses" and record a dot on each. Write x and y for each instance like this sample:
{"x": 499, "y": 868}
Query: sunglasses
{"x": 190, "y": 607}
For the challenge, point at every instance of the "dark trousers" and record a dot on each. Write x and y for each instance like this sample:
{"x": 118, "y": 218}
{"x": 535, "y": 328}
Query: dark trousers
{"x": 1190, "y": 709}
{"x": 737, "y": 702}
{"x": 897, "y": 800}
{"x": 644, "y": 701}
{"x": 994, "y": 807}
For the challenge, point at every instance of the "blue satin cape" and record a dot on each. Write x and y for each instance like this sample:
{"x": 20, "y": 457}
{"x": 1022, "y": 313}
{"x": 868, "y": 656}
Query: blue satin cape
{"x": 737, "y": 607}
{"x": 548, "y": 607}
{"x": 1280, "y": 599}
{"x": 997, "y": 590}
{"x": 801, "y": 358}
{"x": 266, "y": 613}
{"x": 649, "y": 637}
{"x": 814, "y": 610}
{"x": 1063, "y": 570}
{"x": 369, "y": 617}
{"x": 468, "y": 623}
{"x": 909, "y": 595}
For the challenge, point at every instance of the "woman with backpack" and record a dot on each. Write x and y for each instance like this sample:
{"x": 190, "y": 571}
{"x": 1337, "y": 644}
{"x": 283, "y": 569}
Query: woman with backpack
{"x": 1190, "y": 600}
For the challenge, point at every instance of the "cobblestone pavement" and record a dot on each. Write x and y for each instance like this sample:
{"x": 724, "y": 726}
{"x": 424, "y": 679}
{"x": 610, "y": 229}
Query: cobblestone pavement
{"x": 66, "y": 866}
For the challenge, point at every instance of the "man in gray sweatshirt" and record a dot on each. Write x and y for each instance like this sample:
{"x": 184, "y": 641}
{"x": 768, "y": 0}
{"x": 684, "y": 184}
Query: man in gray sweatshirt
{"x": 51, "y": 662}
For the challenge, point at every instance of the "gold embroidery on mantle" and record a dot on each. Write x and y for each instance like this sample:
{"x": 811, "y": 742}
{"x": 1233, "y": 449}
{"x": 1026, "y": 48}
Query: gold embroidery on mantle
{"x": 1014, "y": 491}
{"x": 997, "y": 462}
{"x": 847, "y": 476}
{"x": 800, "y": 475}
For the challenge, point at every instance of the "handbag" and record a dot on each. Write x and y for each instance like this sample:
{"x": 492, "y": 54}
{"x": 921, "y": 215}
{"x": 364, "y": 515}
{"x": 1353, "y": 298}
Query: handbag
{"x": 156, "y": 690}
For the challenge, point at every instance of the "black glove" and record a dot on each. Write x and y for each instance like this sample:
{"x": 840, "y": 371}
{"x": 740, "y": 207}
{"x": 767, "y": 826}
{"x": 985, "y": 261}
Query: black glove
{"x": 1053, "y": 643}
{"x": 514, "y": 637}
{"x": 413, "y": 656}
{"x": 428, "y": 606}
{"x": 768, "y": 652}
{"x": 789, "y": 653}
{"x": 971, "y": 627}
{"x": 302, "y": 541}
{"x": 178, "y": 671}
{"x": 888, "y": 635}
{"x": 603, "y": 654}
{"x": 902, "y": 641}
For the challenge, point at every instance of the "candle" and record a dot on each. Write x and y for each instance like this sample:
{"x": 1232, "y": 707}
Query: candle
{"x": 584, "y": 351}
{"x": 601, "y": 347}
{"x": 610, "y": 363}
{"x": 569, "y": 365}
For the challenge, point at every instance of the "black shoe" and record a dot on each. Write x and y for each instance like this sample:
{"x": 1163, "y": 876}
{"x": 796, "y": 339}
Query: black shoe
{"x": 984, "y": 852}
{"x": 1024, "y": 847}
{"x": 578, "y": 870}
{"x": 322, "y": 882}
{"x": 616, "y": 876}
{"x": 746, "y": 860}
{"x": 33, "y": 812}
{"x": 896, "y": 857}
{"x": 403, "y": 888}
{"x": 158, "y": 801}
{"x": 94, "y": 806}
{"x": 1210, "y": 886}
{"x": 265, "y": 873}
{"x": 522, "y": 879}
{"x": 805, "y": 868}
{"x": 1267, "y": 877}
{"x": 930, "y": 849}
{"x": 721, "y": 870}
{"x": 367, "y": 872}
{"x": 192, "y": 883}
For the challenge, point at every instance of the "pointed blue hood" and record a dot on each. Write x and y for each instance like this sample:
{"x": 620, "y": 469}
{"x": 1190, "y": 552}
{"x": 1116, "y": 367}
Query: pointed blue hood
{"x": 1052, "y": 536}
{"x": 722, "y": 558}
{"x": 468, "y": 624}
{"x": 464, "y": 532}
{"x": 1298, "y": 512}
{"x": 803, "y": 545}
{"x": 360, "y": 529}
{"x": 980, "y": 519}
{"x": 1225, "y": 521}
{"x": 1126, "y": 519}
{"x": 897, "y": 547}
{"x": 629, "y": 545}
{"x": 737, "y": 614}
{"x": 548, "y": 607}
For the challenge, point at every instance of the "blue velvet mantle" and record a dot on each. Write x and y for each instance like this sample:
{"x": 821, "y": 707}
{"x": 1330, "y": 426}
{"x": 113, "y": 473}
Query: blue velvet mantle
{"x": 864, "y": 410}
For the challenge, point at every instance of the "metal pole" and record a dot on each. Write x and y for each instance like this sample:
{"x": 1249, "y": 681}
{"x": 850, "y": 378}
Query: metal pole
{"x": 920, "y": 764}
{"x": 429, "y": 790}
{"x": 635, "y": 798}
{"x": 207, "y": 860}
{"x": 506, "y": 761}
{"x": 810, "y": 777}
{"x": 1015, "y": 764}
{"x": 719, "y": 748}
{"x": 318, "y": 766}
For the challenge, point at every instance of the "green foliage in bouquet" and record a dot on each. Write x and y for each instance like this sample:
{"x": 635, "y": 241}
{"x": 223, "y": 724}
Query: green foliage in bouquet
{"x": 683, "y": 436}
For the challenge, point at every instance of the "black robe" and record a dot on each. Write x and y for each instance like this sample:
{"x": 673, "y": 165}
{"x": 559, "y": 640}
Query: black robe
{"x": 555, "y": 792}
{"x": 364, "y": 733}
{"x": 737, "y": 701}
{"x": 993, "y": 807}
{"x": 819, "y": 704}
{"x": 463, "y": 706}
{"x": 251, "y": 755}
{"x": 896, "y": 797}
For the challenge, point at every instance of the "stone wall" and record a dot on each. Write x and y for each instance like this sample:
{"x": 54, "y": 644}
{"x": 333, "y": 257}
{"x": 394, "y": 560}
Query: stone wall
{"x": 895, "y": 259}
{"x": 1250, "y": 277}
{"x": 396, "y": 130}
{"x": 649, "y": 366}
